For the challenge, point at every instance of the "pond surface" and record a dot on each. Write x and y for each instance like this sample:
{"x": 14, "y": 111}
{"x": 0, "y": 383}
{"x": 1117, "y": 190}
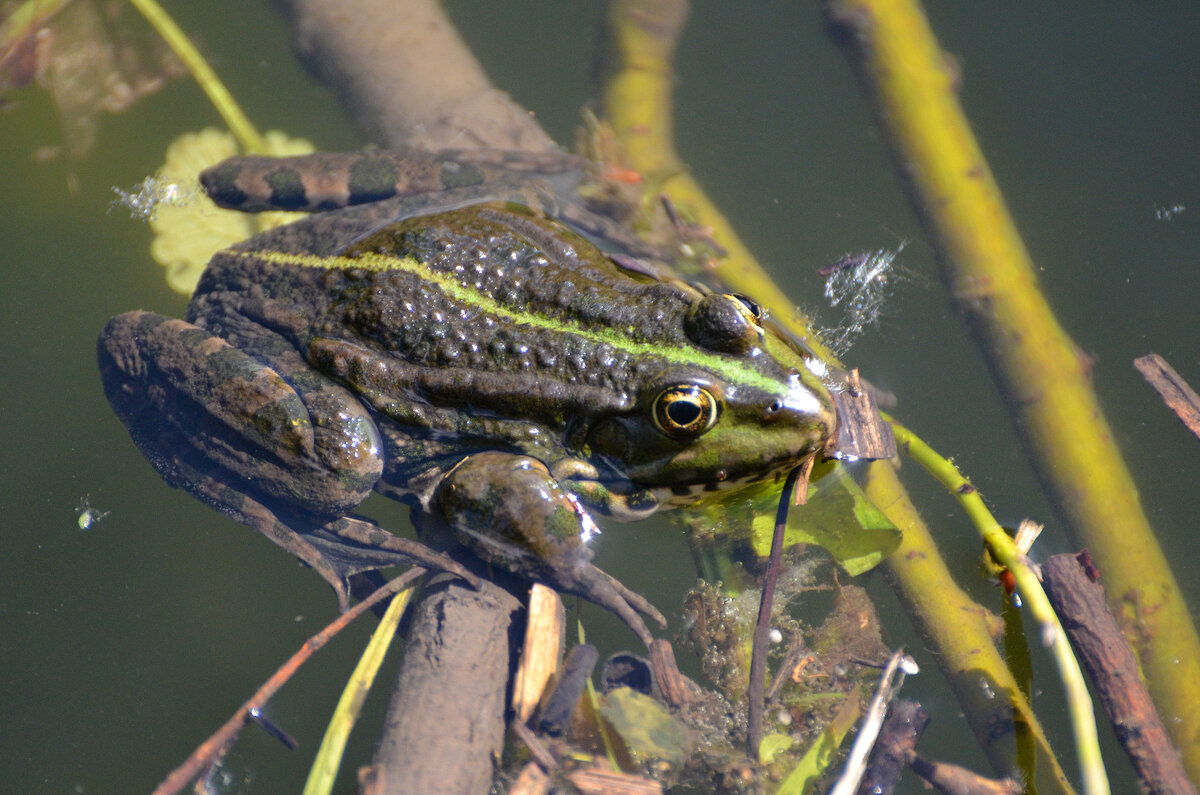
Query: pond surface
{"x": 127, "y": 643}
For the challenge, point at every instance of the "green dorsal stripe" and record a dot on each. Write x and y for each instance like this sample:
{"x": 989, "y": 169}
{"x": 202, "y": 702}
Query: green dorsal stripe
{"x": 731, "y": 370}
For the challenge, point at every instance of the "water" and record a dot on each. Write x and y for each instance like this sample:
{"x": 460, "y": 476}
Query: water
{"x": 128, "y": 642}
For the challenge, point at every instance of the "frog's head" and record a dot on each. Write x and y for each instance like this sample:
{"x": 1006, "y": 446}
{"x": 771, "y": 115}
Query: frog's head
{"x": 742, "y": 403}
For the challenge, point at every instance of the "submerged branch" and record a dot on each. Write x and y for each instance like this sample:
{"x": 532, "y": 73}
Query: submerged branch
{"x": 407, "y": 78}
{"x": 1043, "y": 375}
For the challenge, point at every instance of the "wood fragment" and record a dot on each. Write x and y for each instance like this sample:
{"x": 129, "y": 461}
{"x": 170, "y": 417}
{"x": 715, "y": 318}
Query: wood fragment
{"x": 1080, "y": 603}
{"x": 672, "y": 685}
{"x": 1171, "y": 387}
{"x": 542, "y": 756}
{"x": 560, "y": 706}
{"x": 600, "y": 780}
{"x": 954, "y": 780}
{"x": 542, "y": 650}
{"x": 862, "y": 432}
{"x": 445, "y": 722}
{"x": 531, "y": 781}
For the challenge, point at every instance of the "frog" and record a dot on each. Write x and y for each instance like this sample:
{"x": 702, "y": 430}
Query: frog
{"x": 438, "y": 333}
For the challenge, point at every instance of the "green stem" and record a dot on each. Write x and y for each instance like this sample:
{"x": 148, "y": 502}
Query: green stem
{"x": 241, "y": 127}
{"x": 1079, "y": 703}
{"x": 329, "y": 756}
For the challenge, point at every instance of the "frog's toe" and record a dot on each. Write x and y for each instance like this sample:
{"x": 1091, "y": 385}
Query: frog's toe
{"x": 367, "y": 545}
{"x": 608, "y": 592}
{"x": 636, "y": 601}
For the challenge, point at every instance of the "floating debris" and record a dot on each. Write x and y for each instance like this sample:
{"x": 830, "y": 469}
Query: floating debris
{"x": 89, "y": 515}
{"x": 858, "y": 283}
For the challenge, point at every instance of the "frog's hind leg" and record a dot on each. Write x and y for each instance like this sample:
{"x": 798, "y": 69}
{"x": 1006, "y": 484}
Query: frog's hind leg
{"x": 512, "y": 513}
{"x": 230, "y": 430}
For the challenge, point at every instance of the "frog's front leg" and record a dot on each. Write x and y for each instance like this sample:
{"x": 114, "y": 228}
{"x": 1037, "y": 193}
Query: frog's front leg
{"x": 511, "y": 512}
{"x": 224, "y": 426}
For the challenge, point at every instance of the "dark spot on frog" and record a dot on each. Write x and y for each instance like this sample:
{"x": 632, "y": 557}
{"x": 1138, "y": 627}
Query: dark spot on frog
{"x": 460, "y": 175}
{"x": 220, "y": 182}
{"x": 372, "y": 179}
{"x": 287, "y": 189}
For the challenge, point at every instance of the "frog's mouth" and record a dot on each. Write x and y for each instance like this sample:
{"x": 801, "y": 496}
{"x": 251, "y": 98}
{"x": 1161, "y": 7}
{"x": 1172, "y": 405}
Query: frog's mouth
{"x": 626, "y": 501}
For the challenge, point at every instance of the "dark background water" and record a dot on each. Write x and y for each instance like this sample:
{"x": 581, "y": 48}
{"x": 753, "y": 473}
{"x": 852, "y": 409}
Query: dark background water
{"x": 124, "y": 645}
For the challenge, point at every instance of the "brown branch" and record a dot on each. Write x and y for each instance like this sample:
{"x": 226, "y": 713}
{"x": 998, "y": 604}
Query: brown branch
{"x": 955, "y": 780}
{"x": 1171, "y": 387}
{"x": 445, "y": 722}
{"x": 1080, "y": 603}
{"x": 905, "y": 723}
{"x": 212, "y": 749}
{"x": 407, "y": 78}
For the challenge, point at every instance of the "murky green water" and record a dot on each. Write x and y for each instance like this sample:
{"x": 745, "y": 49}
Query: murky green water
{"x": 124, "y": 645}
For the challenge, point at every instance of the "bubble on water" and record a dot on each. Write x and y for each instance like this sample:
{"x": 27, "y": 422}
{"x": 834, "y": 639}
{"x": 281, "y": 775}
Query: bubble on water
{"x": 1165, "y": 213}
{"x": 88, "y": 515}
{"x": 144, "y": 200}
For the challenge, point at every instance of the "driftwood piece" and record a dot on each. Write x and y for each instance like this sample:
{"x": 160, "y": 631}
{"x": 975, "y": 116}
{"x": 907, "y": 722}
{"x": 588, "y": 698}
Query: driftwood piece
{"x": 541, "y": 653}
{"x": 954, "y": 780}
{"x": 407, "y": 78}
{"x": 1171, "y": 387}
{"x": 1080, "y": 603}
{"x": 445, "y": 722}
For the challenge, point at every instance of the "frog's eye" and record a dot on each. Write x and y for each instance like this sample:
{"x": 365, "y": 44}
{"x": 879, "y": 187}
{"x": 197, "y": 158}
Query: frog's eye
{"x": 725, "y": 323}
{"x": 685, "y": 411}
{"x": 757, "y": 312}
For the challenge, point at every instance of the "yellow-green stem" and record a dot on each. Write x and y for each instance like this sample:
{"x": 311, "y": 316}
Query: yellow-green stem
{"x": 1079, "y": 703}
{"x": 1045, "y": 378}
{"x": 329, "y": 756}
{"x": 241, "y": 127}
{"x": 637, "y": 103}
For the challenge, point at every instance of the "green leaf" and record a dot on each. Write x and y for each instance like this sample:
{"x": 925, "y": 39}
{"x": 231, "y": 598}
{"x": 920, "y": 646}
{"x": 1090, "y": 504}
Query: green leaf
{"x": 820, "y": 754}
{"x": 772, "y": 745}
{"x": 838, "y": 518}
{"x": 647, "y": 728}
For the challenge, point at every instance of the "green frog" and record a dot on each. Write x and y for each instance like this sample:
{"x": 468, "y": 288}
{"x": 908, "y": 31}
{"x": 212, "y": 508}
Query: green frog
{"x": 483, "y": 362}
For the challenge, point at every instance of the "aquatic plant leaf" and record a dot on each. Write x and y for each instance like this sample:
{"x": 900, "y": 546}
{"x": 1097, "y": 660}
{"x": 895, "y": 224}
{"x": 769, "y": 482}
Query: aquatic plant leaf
{"x": 188, "y": 231}
{"x": 772, "y": 745}
{"x": 648, "y": 729}
{"x": 820, "y": 754}
{"x": 838, "y": 518}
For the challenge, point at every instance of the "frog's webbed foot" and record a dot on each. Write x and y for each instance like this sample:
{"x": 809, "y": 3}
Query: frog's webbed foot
{"x": 231, "y": 430}
{"x": 602, "y": 588}
{"x": 512, "y": 513}
{"x": 337, "y": 550}
{"x": 370, "y": 546}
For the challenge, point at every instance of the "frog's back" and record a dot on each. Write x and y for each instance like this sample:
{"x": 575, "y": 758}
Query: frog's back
{"x": 494, "y": 291}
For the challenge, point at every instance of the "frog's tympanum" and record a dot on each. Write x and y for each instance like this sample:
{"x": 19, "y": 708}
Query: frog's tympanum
{"x": 484, "y": 363}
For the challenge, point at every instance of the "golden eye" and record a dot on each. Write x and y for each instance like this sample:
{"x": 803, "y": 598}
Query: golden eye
{"x": 685, "y": 411}
{"x": 753, "y": 310}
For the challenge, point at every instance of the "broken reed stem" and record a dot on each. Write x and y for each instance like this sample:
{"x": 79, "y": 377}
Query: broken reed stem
{"x": 762, "y": 627}
{"x": 1171, "y": 387}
